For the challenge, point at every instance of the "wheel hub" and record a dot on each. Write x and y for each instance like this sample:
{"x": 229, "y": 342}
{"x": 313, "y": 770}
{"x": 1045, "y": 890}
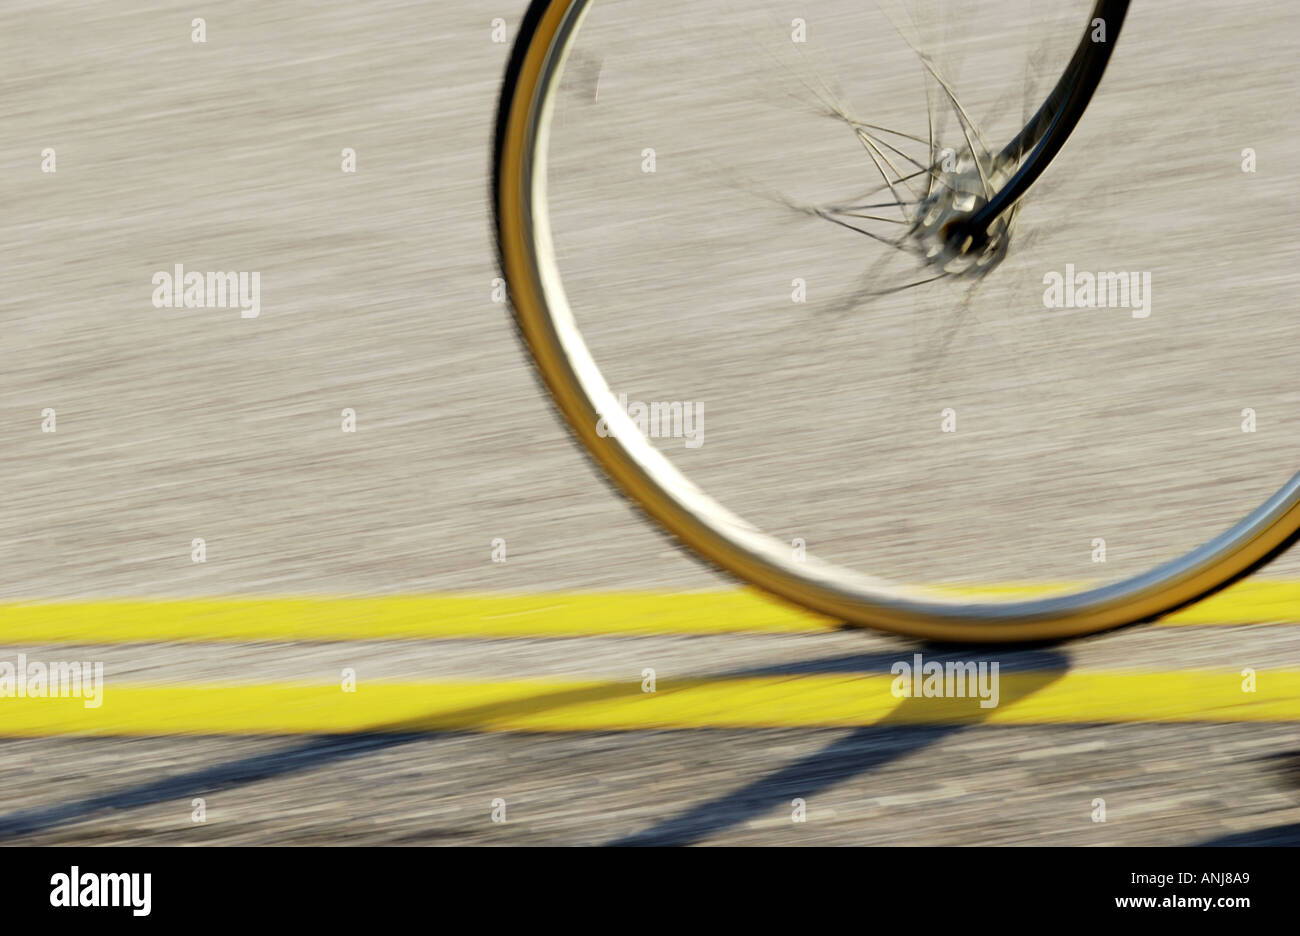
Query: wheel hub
{"x": 939, "y": 222}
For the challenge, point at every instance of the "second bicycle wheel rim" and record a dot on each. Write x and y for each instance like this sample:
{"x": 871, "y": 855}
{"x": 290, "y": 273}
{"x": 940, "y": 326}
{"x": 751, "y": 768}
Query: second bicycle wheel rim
{"x": 548, "y": 326}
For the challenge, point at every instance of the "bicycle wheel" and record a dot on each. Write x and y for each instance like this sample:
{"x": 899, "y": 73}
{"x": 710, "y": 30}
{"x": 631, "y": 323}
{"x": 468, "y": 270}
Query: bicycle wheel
{"x": 934, "y": 201}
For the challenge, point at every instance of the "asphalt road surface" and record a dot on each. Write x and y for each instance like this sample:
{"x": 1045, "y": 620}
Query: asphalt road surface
{"x": 823, "y": 422}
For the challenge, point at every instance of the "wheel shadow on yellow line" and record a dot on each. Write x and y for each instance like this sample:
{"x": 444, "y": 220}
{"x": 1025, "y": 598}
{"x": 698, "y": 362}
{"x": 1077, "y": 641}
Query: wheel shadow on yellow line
{"x": 859, "y": 752}
{"x": 915, "y": 723}
{"x": 319, "y": 751}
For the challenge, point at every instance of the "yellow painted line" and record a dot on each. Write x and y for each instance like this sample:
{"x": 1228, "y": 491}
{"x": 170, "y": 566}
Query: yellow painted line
{"x": 423, "y": 617}
{"x": 403, "y": 617}
{"x": 1025, "y": 698}
{"x": 1249, "y": 601}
